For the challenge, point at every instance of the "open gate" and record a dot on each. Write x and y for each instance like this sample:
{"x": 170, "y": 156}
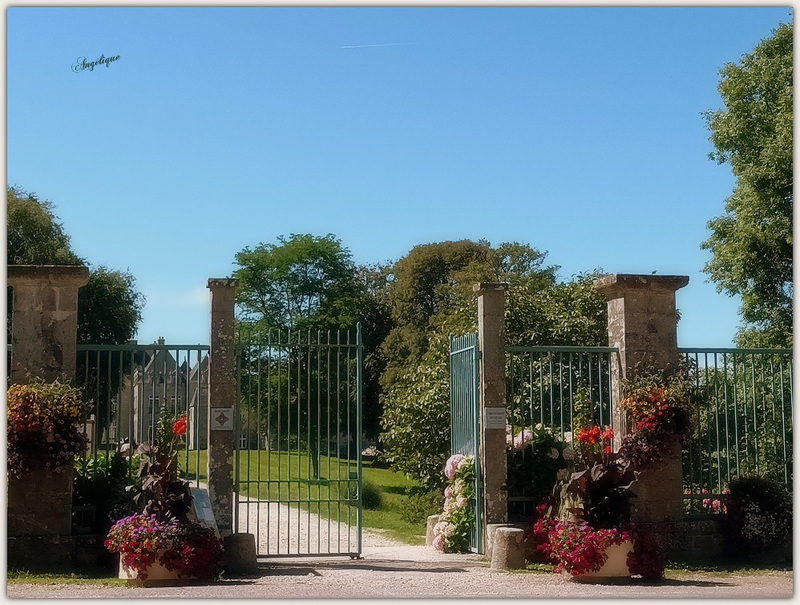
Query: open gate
{"x": 465, "y": 417}
{"x": 298, "y": 452}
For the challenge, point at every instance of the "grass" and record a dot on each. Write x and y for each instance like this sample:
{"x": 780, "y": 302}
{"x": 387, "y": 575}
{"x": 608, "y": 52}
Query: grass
{"x": 47, "y": 579}
{"x": 288, "y": 477}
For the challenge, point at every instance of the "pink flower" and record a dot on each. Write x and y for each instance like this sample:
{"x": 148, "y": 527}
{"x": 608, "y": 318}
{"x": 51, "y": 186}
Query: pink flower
{"x": 452, "y": 464}
{"x": 448, "y": 492}
{"x": 522, "y": 438}
{"x": 438, "y": 542}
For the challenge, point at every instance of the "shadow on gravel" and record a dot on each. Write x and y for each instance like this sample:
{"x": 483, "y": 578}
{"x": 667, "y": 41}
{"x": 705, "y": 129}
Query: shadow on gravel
{"x": 306, "y": 569}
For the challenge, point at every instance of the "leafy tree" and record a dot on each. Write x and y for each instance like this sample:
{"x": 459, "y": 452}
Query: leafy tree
{"x": 303, "y": 283}
{"x": 109, "y": 306}
{"x": 34, "y": 235}
{"x": 416, "y": 418}
{"x": 307, "y": 284}
{"x": 752, "y": 242}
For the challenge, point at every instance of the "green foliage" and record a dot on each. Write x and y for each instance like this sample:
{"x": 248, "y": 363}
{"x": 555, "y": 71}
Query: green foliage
{"x": 303, "y": 282}
{"x": 758, "y": 521}
{"x": 370, "y": 495}
{"x": 421, "y": 504}
{"x": 534, "y": 457}
{"x": 416, "y": 419}
{"x": 752, "y": 242}
{"x": 100, "y": 481}
{"x": 109, "y": 307}
{"x": 35, "y": 237}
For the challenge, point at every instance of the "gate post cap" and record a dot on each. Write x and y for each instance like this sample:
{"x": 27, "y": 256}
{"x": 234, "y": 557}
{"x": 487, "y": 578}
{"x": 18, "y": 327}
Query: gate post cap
{"x": 222, "y": 282}
{"x": 488, "y": 286}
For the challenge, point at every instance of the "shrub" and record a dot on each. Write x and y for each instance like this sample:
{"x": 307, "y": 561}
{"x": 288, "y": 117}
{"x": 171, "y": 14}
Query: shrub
{"x": 421, "y": 504}
{"x": 100, "y": 481}
{"x": 370, "y": 496}
{"x": 758, "y": 522}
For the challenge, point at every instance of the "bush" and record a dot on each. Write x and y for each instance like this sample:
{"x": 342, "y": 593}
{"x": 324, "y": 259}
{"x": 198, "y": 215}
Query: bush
{"x": 370, "y": 496}
{"x": 420, "y": 504}
{"x": 100, "y": 481}
{"x": 758, "y": 521}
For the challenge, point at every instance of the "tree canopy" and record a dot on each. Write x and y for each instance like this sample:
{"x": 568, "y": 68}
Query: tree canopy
{"x": 109, "y": 307}
{"x": 751, "y": 242}
{"x": 303, "y": 282}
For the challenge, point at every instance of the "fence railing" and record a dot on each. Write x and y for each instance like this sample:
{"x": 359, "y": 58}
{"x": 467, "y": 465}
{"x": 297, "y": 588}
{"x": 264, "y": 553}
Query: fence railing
{"x": 744, "y": 424}
{"x": 562, "y": 388}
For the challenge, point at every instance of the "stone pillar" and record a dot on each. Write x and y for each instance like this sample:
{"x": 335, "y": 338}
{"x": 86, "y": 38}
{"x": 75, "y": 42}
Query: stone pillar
{"x": 222, "y": 402}
{"x": 642, "y": 324}
{"x": 44, "y": 329}
{"x": 492, "y": 394}
{"x": 44, "y": 334}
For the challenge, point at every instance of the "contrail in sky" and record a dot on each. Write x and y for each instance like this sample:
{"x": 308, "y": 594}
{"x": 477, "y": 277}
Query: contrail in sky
{"x": 378, "y": 45}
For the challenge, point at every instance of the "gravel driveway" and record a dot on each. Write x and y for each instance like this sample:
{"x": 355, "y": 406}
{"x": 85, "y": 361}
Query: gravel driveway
{"x": 390, "y": 569}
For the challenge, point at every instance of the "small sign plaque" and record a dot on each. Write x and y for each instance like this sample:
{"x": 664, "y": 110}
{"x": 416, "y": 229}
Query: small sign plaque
{"x": 221, "y": 419}
{"x": 201, "y": 509}
{"x": 494, "y": 418}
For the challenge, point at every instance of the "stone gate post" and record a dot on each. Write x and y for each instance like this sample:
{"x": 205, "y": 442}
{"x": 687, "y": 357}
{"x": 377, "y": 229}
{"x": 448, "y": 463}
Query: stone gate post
{"x": 222, "y": 402}
{"x": 44, "y": 334}
{"x": 44, "y": 320}
{"x": 492, "y": 394}
{"x": 642, "y": 324}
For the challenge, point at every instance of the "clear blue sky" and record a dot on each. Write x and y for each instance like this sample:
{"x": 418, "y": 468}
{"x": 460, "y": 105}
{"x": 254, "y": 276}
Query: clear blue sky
{"x": 577, "y": 130}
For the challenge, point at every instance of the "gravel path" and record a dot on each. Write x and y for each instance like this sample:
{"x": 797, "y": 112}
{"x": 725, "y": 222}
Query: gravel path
{"x": 390, "y": 569}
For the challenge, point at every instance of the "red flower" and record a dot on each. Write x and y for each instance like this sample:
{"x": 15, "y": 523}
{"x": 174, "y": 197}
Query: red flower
{"x": 179, "y": 428}
{"x": 608, "y": 434}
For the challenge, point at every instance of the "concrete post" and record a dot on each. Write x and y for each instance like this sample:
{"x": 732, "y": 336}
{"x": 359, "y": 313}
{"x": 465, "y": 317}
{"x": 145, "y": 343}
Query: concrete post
{"x": 642, "y": 323}
{"x": 492, "y": 393}
{"x": 222, "y": 402}
{"x": 44, "y": 321}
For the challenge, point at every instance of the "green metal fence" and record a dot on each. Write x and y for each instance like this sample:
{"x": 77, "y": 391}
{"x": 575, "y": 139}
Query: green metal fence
{"x": 298, "y": 457}
{"x": 744, "y": 424}
{"x": 128, "y": 387}
{"x": 464, "y": 414}
{"x": 561, "y": 388}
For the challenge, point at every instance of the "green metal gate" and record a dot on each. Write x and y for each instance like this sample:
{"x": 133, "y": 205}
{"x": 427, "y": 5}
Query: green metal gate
{"x": 464, "y": 417}
{"x": 298, "y": 451}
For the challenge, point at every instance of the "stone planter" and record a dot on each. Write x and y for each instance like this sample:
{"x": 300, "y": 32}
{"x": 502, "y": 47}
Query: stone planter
{"x": 157, "y": 575}
{"x": 40, "y": 503}
{"x": 615, "y": 569}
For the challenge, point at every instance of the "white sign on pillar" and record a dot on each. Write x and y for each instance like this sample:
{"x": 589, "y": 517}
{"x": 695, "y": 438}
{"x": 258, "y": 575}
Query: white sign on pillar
{"x": 222, "y": 419}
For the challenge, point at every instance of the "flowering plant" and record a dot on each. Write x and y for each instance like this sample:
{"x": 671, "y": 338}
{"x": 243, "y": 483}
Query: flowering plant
{"x": 452, "y": 532}
{"x": 190, "y": 549}
{"x": 44, "y": 418}
{"x": 661, "y": 404}
{"x": 162, "y": 530}
{"x": 578, "y": 548}
{"x": 599, "y": 494}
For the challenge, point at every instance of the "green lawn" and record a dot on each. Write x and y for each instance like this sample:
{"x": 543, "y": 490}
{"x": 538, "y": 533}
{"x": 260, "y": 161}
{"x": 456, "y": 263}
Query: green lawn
{"x": 288, "y": 477}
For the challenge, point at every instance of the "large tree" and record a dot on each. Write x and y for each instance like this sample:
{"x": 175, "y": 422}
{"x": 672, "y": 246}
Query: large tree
{"x": 751, "y": 242}
{"x": 109, "y": 306}
{"x": 303, "y": 282}
{"x": 416, "y": 417}
{"x": 308, "y": 284}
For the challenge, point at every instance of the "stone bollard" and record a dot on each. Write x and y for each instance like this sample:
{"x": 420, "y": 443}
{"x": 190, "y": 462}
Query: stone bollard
{"x": 508, "y": 550}
{"x": 429, "y": 536}
{"x": 240, "y": 553}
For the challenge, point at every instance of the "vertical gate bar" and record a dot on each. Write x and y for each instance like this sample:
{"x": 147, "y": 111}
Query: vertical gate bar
{"x": 755, "y": 419}
{"x": 338, "y": 438}
{"x": 328, "y": 428}
{"x": 783, "y": 417}
{"x": 359, "y": 409}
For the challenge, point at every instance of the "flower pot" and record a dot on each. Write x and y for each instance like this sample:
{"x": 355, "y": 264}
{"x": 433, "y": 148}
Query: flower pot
{"x": 615, "y": 568}
{"x": 157, "y": 575}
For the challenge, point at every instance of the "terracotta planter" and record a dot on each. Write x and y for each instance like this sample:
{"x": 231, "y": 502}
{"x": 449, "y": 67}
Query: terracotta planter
{"x": 615, "y": 568}
{"x": 157, "y": 575}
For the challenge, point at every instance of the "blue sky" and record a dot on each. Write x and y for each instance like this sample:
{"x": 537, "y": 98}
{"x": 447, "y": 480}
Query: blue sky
{"x": 577, "y": 130}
